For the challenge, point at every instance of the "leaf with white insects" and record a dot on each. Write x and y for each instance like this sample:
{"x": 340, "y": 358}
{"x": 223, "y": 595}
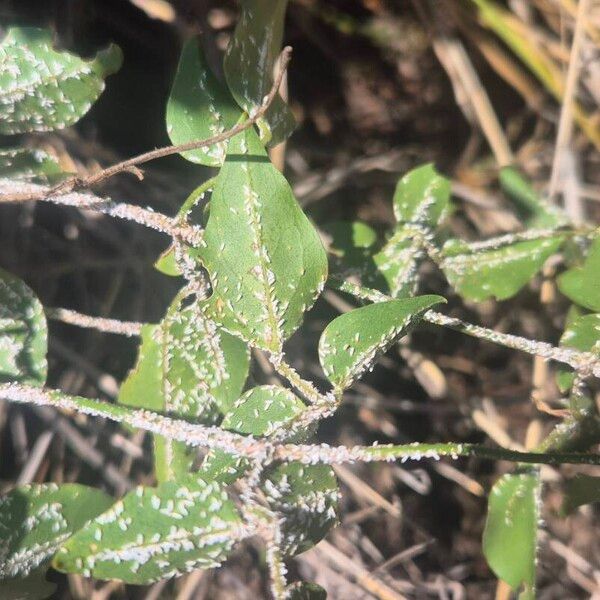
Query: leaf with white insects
{"x": 510, "y": 535}
{"x": 28, "y": 164}
{"x": 263, "y": 410}
{"x": 199, "y": 107}
{"x": 44, "y": 89}
{"x": 155, "y": 533}
{"x": 582, "y": 284}
{"x": 304, "y": 590}
{"x": 351, "y": 343}
{"x": 497, "y": 267}
{"x": 581, "y": 333}
{"x": 23, "y": 333}
{"x": 32, "y": 587}
{"x": 306, "y": 498}
{"x": 249, "y": 62}
{"x": 265, "y": 260}
{"x": 222, "y": 467}
{"x": 422, "y": 197}
{"x": 534, "y": 212}
{"x": 189, "y": 368}
{"x": 579, "y": 490}
{"x": 36, "y": 519}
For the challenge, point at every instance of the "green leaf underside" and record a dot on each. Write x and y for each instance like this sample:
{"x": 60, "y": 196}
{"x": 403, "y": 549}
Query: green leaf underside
{"x": 188, "y": 368}
{"x": 26, "y": 164}
{"x": 583, "y": 333}
{"x": 43, "y": 89}
{"x": 535, "y": 212}
{"x": 306, "y": 497}
{"x": 263, "y": 410}
{"x": 32, "y": 587}
{"x": 510, "y": 535}
{"x": 36, "y": 519}
{"x": 199, "y": 107}
{"x": 421, "y": 201}
{"x": 155, "y": 533}
{"x": 580, "y": 490}
{"x": 582, "y": 284}
{"x": 478, "y": 273}
{"x": 303, "y": 590}
{"x": 23, "y": 333}
{"x": 266, "y": 261}
{"x": 249, "y": 63}
{"x": 352, "y": 342}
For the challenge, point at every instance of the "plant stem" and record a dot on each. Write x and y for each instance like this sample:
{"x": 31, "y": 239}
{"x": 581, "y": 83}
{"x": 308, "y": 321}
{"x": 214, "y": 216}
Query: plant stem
{"x": 72, "y": 317}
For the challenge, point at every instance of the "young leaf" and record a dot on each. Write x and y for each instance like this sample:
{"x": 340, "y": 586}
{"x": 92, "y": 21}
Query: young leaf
{"x": 263, "y": 410}
{"x": 32, "y": 587}
{"x": 23, "y": 333}
{"x": 24, "y": 163}
{"x": 480, "y": 270}
{"x": 44, "y": 89}
{"x": 249, "y": 63}
{"x": 510, "y": 535}
{"x": 303, "y": 590}
{"x": 583, "y": 333}
{"x": 582, "y": 284}
{"x": 351, "y": 343}
{"x": 422, "y": 197}
{"x": 580, "y": 490}
{"x": 187, "y": 367}
{"x": 36, "y": 519}
{"x": 535, "y": 212}
{"x": 306, "y": 498}
{"x": 266, "y": 261}
{"x": 199, "y": 107}
{"x": 155, "y": 533}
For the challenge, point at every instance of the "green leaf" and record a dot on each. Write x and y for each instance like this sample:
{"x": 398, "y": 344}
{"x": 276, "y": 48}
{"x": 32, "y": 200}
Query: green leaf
{"x": 306, "y": 498}
{"x": 583, "y": 333}
{"x": 199, "y": 107}
{"x": 535, "y": 212}
{"x": 36, "y": 519}
{"x": 32, "y": 587}
{"x": 266, "y": 261}
{"x": 352, "y": 342}
{"x": 187, "y": 367}
{"x": 349, "y": 237}
{"x": 155, "y": 533}
{"x": 497, "y": 268}
{"x": 42, "y": 89}
{"x": 249, "y": 62}
{"x": 23, "y": 333}
{"x": 24, "y": 163}
{"x": 302, "y": 590}
{"x": 222, "y": 467}
{"x": 580, "y": 490}
{"x": 510, "y": 535}
{"x": 263, "y": 410}
{"x": 422, "y": 197}
{"x": 582, "y": 284}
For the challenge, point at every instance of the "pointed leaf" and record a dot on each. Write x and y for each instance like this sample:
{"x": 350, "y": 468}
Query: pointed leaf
{"x": 422, "y": 197}
{"x": 155, "y": 533}
{"x": 582, "y": 284}
{"x": 510, "y": 535}
{"x": 189, "y": 368}
{"x": 266, "y": 261}
{"x": 352, "y": 342}
{"x": 263, "y": 410}
{"x": 306, "y": 498}
{"x": 24, "y": 163}
{"x": 249, "y": 63}
{"x": 36, "y": 519}
{"x": 495, "y": 268}
{"x": 32, "y": 587}
{"x": 303, "y": 590}
{"x": 44, "y": 89}
{"x": 199, "y": 107}
{"x": 23, "y": 333}
{"x": 580, "y": 490}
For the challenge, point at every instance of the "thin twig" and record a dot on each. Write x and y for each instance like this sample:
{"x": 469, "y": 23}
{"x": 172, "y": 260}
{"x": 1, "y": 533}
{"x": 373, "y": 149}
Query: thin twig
{"x": 72, "y": 317}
